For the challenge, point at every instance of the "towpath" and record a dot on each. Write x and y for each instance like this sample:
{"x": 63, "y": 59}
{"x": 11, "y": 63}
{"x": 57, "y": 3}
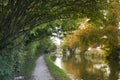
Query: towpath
{"x": 41, "y": 71}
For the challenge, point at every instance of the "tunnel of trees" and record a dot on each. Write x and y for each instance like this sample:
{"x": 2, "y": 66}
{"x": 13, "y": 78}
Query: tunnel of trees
{"x": 27, "y": 25}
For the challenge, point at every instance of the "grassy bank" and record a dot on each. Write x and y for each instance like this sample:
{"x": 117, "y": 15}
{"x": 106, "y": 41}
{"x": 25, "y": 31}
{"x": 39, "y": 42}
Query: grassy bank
{"x": 56, "y": 72}
{"x": 29, "y": 68}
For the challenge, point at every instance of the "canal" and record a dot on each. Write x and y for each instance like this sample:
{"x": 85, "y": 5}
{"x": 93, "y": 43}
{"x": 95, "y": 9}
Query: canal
{"x": 88, "y": 68}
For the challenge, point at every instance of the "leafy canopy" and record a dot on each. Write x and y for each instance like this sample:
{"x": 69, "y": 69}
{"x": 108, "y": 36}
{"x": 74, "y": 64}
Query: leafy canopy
{"x": 19, "y": 17}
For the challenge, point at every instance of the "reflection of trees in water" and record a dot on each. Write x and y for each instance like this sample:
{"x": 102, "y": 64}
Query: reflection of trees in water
{"x": 88, "y": 72}
{"x": 84, "y": 69}
{"x": 115, "y": 69}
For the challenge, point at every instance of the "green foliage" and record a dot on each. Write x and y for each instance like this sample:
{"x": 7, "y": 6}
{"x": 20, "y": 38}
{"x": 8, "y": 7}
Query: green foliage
{"x": 32, "y": 52}
{"x": 18, "y": 19}
{"x": 10, "y": 63}
{"x": 56, "y": 72}
{"x": 25, "y": 21}
{"x": 46, "y": 43}
{"x": 29, "y": 59}
{"x": 13, "y": 60}
{"x": 6, "y": 67}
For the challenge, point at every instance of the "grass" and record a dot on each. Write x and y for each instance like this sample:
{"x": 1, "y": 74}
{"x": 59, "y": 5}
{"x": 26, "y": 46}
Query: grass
{"x": 29, "y": 68}
{"x": 56, "y": 72}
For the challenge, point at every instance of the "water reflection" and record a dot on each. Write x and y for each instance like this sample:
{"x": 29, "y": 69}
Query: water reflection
{"x": 58, "y": 62}
{"x": 85, "y": 68}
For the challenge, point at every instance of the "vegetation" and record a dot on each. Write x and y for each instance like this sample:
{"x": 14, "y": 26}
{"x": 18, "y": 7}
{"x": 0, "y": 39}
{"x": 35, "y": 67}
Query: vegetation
{"x": 18, "y": 19}
{"x": 91, "y": 37}
{"x": 105, "y": 34}
{"x": 24, "y": 22}
{"x": 34, "y": 50}
{"x": 22, "y": 56}
{"x": 56, "y": 72}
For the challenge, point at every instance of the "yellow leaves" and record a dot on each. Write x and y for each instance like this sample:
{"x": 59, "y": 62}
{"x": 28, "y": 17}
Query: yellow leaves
{"x": 81, "y": 37}
{"x": 116, "y": 11}
{"x": 110, "y": 30}
{"x": 70, "y": 41}
{"x": 73, "y": 41}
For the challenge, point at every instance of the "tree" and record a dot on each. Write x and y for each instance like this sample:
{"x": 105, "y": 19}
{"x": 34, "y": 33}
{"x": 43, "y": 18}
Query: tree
{"x": 87, "y": 36}
{"x": 105, "y": 32}
{"x": 19, "y": 17}
{"x": 23, "y": 21}
{"x": 111, "y": 29}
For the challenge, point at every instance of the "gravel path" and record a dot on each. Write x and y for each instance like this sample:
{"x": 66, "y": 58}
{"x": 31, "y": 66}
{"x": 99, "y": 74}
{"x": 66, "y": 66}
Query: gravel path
{"x": 41, "y": 71}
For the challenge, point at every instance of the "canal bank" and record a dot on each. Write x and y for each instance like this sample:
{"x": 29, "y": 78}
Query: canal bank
{"x": 56, "y": 72}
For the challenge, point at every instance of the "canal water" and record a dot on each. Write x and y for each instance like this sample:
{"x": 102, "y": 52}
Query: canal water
{"x": 89, "y": 68}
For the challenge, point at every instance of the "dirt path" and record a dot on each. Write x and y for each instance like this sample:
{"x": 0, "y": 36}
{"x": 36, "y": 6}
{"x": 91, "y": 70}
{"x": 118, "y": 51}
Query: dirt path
{"x": 41, "y": 71}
